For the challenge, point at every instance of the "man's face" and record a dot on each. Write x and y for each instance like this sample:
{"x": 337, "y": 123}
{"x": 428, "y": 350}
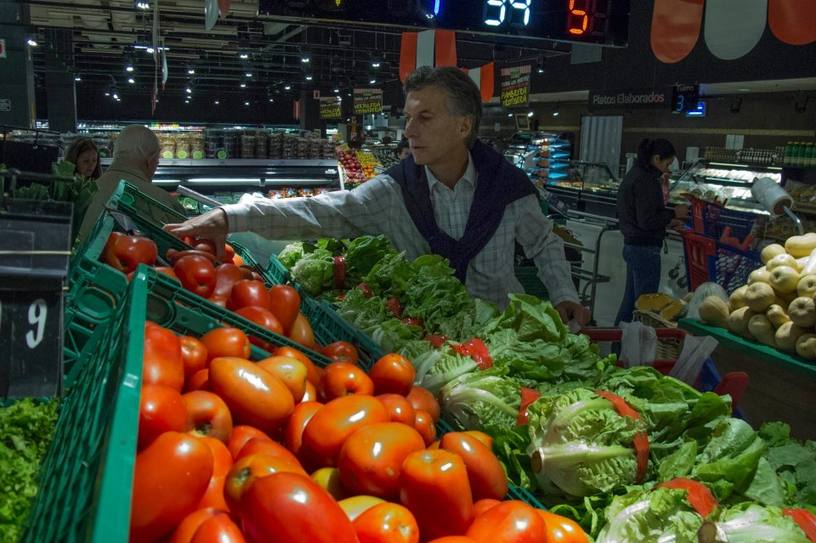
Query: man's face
{"x": 433, "y": 133}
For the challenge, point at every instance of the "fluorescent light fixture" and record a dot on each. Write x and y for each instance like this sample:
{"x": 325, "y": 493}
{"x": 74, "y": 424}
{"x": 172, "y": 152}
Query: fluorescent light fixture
{"x": 115, "y": 96}
{"x": 131, "y": 80}
{"x": 188, "y": 90}
{"x": 287, "y": 87}
{"x": 143, "y": 5}
{"x": 32, "y": 42}
{"x": 244, "y": 56}
{"x": 305, "y": 59}
{"x": 373, "y": 81}
{"x": 248, "y": 74}
{"x": 308, "y": 78}
{"x": 77, "y": 78}
{"x": 150, "y": 50}
{"x": 375, "y": 64}
{"x": 336, "y": 91}
{"x": 556, "y": 113}
{"x": 243, "y": 85}
{"x": 129, "y": 68}
{"x": 530, "y": 114}
{"x": 509, "y": 114}
{"x": 221, "y": 181}
{"x": 191, "y": 71}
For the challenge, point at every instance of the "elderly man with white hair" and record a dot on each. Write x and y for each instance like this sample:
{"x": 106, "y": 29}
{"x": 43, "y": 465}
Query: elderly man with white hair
{"x": 135, "y": 159}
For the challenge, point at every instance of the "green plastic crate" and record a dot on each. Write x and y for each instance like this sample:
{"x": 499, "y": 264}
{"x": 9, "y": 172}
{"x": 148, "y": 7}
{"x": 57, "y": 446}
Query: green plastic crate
{"x": 277, "y": 271}
{"x": 329, "y": 327}
{"x": 148, "y": 208}
{"x": 86, "y": 477}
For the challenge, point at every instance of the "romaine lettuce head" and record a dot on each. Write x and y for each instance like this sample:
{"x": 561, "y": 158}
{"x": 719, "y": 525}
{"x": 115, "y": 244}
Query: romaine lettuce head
{"x": 481, "y": 399}
{"x": 662, "y": 515}
{"x": 580, "y": 445}
{"x": 291, "y": 254}
{"x": 751, "y": 523}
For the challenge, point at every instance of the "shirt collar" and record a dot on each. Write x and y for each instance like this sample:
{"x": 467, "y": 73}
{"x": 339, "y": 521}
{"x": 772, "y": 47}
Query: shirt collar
{"x": 469, "y": 177}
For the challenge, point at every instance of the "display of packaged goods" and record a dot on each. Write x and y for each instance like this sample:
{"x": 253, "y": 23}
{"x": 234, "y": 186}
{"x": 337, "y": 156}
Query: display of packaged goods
{"x": 798, "y": 154}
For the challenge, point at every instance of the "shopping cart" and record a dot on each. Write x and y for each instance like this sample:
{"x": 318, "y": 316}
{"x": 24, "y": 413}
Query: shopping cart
{"x": 733, "y": 383}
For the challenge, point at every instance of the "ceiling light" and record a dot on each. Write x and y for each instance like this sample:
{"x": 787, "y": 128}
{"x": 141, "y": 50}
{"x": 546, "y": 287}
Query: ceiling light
{"x": 244, "y": 56}
{"x": 142, "y": 4}
{"x": 248, "y": 74}
{"x": 243, "y": 85}
{"x": 150, "y": 50}
{"x": 373, "y": 81}
{"x": 308, "y": 78}
{"x": 107, "y": 93}
{"x": 77, "y": 77}
{"x": 186, "y": 101}
{"x": 287, "y": 87}
{"x": 745, "y": 90}
{"x": 188, "y": 90}
{"x": 129, "y": 68}
{"x": 246, "y": 103}
{"x": 336, "y": 91}
{"x": 509, "y": 114}
{"x": 375, "y": 63}
{"x": 191, "y": 71}
{"x": 32, "y": 42}
{"x": 217, "y": 102}
{"x": 305, "y": 59}
{"x": 271, "y": 100}
{"x": 131, "y": 80}
{"x": 530, "y": 114}
{"x": 541, "y": 69}
{"x": 556, "y": 113}
{"x": 115, "y": 96}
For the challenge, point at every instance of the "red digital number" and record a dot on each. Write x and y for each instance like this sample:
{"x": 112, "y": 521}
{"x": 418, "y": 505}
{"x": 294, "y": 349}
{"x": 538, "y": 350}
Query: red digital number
{"x": 578, "y": 17}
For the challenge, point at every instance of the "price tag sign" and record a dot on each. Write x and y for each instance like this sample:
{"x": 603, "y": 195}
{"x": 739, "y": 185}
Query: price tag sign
{"x": 30, "y": 342}
{"x": 368, "y": 101}
{"x": 515, "y": 86}
{"x": 331, "y": 107}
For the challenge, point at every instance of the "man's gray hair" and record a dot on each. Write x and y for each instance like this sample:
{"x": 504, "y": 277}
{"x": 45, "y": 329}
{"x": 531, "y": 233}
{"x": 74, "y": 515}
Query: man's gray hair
{"x": 136, "y": 143}
{"x": 464, "y": 97}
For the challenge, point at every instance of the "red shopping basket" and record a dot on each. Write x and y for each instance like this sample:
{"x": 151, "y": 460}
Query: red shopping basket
{"x": 732, "y": 383}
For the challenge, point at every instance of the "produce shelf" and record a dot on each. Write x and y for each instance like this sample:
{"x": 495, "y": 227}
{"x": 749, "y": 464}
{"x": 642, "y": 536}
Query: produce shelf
{"x": 756, "y": 350}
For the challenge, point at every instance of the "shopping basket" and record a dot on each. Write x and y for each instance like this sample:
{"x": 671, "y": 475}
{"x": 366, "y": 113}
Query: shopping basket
{"x": 733, "y": 383}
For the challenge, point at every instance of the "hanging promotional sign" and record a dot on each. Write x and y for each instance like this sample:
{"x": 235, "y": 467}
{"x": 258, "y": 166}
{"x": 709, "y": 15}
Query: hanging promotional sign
{"x": 368, "y": 101}
{"x": 331, "y": 107}
{"x": 515, "y": 86}
{"x": 600, "y": 100}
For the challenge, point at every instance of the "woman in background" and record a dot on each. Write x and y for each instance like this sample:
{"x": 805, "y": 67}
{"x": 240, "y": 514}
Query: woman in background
{"x": 643, "y": 218}
{"x": 84, "y": 155}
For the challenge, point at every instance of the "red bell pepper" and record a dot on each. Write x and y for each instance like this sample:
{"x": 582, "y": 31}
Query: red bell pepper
{"x": 528, "y": 396}
{"x": 478, "y": 351}
{"x": 698, "y": 495}
{"x": 641, "y": 439}
{"x": 125, "y": 252}
{"x": 339, "y": 272}
{"x": 394, "y": 307}
{"x": 436, "y": 340}
{"x": 806, "y": 521}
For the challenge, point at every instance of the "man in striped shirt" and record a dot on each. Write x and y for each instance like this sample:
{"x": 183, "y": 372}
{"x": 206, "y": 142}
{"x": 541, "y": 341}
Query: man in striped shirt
{"x": 453, "y": 196}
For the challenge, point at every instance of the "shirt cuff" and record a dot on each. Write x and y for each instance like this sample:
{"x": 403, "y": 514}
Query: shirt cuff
{"x": 563, "y": 294}
{"x": 237, "y": 217}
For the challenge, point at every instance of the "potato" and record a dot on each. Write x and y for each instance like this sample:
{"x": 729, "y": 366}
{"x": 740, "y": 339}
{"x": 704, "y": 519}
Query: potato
{"x": 759, "y": 275}
{"x": 759, "y": 297}
{"x": 800, "y": 246}
{"x": 737, "y": 298}
{"x": 786, "y": 337}
{"x": 771, "y": 251}
{"x": 777, "y": 315}
{"x": 802, "y": 311}
{"x": 807, "y": 286}
{"x": 782, "y": 260}
{"x": 784, "y": 279}
{"x": 714, "y": 311}
{"x": 760, "y": 327}
{"x": 806, "y": 346}
{"x": 738, "y": 321}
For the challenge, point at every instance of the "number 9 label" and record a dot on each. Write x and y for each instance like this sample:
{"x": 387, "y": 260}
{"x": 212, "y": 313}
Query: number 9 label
{"x": 37, "y": 316}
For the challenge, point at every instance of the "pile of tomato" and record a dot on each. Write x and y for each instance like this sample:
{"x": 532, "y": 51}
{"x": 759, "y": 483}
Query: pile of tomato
{"x": 281, "y": 450}
{"x": 228, "y": 283}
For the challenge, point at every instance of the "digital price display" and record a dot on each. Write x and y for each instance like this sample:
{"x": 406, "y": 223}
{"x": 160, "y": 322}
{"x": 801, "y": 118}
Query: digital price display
{"x": 603, "y": 22}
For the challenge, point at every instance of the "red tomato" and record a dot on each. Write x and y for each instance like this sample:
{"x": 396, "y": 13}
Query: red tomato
{"x": 226, "y": 275}
{"x": 206, "y": 245}
{"x": 240, "y": 436}
{"x": 285, "y": 304}
{"x": 387, "y": 523}
{"x": 344, "y": 379}
{"x": 193, "y": 355}
{"x": 371, "y": 458}
{"x": 310, "y": 394}
{"x": 263, "y": 446}
{"x": 226, "y": 342}
{"x": 293, "y": 434}
{"x": 289, "y": 370}
{"x": 247, "y": 293}
{"x": 511, "y": 522}
{"x": 250, "y": 468}
{"x": 200, "y": 380}
{"x": 186, "y": 530}
{"x": 161, "y": 409}
{"x": 209, "y": 415}
{"x": 254, "y": 396}
{"x": 314, "y": 372}
{"x": 218, "y": 529}
{"x": 162, "y": 360}
{"x": 483, "y": 505}
{"x": 335, "y": 422}
{"x": 485, "y": 472}
{"x": 421, "y": 398}
{"x": 561, "y": 529}
{"x": 399, "y": 408}
{"x": 222, "y": 462}
{"x": 196, "y": 274}
{"x": 453, "y": 539}
{"x": 176, "y": 461}
{"x": 125, "y": 253}
{"x": 481, "y": 436}
{"x": 341, "y": 351}
{"x": 301, "y": 332}
{"x": 423, "y": 422}
{"x": 393, "y": 374}
{"x": 435, "y": 488}
{"x": 263, "y": 318}
{"x": 220, "y": 301}
{"x": 291, "y": 508}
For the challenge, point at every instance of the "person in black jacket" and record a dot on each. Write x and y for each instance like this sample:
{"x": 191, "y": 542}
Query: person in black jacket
{"x": 643, "y": 218}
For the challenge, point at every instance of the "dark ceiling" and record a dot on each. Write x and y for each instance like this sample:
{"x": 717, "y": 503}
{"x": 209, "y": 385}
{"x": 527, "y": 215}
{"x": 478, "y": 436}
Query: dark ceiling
{"x": 97, "y": 39}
